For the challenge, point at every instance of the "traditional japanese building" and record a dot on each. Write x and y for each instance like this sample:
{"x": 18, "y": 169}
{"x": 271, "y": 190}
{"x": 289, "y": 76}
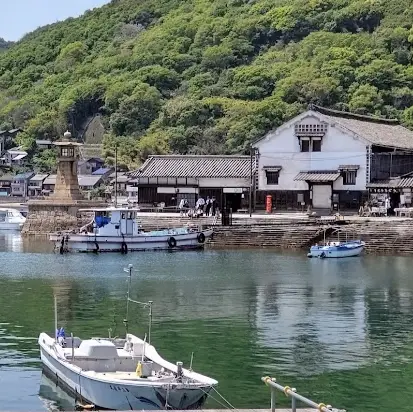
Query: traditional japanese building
{"x": 324, "y": 158}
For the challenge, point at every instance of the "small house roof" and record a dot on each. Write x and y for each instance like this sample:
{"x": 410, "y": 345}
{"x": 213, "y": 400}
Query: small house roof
{"x": 102, "y": 171}
{"x": 6, "y": 178}
{"x": 89, "y": 180}
{"x": 50, "y": 180}
{"x": 195, "y": 166}
{"x": 22, "y": 176}
{"x": 43, "y": 142}
{"x": 67, "y": 143}
{"x": 20, "y": 156}
{"x": 39, "y": 177}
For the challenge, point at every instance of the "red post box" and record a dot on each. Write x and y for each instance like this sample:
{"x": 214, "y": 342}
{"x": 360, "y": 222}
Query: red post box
{"x": 268, "y": 204}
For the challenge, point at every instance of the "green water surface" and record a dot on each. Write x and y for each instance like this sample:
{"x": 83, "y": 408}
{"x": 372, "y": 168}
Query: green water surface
{"x": 340, "y": 331}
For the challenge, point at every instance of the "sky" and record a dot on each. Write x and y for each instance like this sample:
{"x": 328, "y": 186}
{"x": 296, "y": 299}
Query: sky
{"x": 19, "y": 17}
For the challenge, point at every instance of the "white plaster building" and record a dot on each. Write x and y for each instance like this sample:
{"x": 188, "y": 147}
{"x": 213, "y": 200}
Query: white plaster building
{"x": 324, "y": 157}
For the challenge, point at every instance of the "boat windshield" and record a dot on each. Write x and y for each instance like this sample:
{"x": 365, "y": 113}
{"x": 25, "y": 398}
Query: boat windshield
{"x": 102, "y": 218}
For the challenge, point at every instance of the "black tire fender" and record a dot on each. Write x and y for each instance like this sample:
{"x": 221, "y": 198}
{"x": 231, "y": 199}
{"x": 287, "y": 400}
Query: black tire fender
{"x": 171, "y": 242}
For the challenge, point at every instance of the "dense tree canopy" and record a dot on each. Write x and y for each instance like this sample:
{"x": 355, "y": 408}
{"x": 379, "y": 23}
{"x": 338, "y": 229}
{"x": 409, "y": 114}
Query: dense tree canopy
{"x": 207, "y": 76}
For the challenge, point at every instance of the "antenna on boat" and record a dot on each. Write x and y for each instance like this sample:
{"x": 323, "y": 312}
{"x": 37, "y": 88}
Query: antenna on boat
{"x": 125, "y": 321}
{"x": 144, "y": 304}
{"x": 192, "y": 359}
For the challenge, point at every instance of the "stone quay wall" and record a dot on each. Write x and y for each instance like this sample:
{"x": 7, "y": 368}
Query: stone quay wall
{"x": 395, "y": 237}
{"x": 381, "y": 236}
{"x": 45, "y": 217}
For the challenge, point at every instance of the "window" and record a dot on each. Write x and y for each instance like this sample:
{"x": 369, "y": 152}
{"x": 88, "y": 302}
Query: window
{"x": 349, "y": 177}
{"x": 316, "y": 145}
{"x": 308, "y": 144}
{"x": 272, "y": 177}
{"x": 67, "y": 152}
{"x": 305, "y": 145}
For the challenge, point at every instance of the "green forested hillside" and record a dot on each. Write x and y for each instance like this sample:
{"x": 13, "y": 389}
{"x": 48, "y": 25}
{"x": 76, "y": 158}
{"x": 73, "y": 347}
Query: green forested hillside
{"x": 207, "y": 76}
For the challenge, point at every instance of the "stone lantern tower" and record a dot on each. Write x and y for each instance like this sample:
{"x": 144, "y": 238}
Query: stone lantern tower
{"x": 67, "y": 185}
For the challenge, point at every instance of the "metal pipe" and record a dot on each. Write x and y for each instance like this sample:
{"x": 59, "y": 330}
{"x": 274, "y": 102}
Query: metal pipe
{"x": 73, "y": 348}
{"x": 290, "y": 392}
{"x": 150, "y": 322}
{"x": 293, "y": 401}
{"x": 251, "y": 185}
{"x": 127, "y": 298}
{"x": 116, "y": 175}
{"x": 272, "y": 400}
{"x": 55, "y": 317}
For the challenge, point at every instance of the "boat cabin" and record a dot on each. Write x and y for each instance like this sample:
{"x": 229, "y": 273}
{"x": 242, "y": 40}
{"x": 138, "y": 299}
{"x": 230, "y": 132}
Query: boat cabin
{"x": 10, "y": 215}
{"x": 113, "y": 222}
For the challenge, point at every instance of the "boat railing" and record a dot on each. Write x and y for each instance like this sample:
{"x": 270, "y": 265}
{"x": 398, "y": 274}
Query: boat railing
{"x": 292, "y": 392}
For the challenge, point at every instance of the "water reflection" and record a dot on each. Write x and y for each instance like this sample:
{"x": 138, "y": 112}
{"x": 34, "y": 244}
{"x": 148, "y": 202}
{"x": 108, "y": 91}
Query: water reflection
{"x": 346, "y": 324}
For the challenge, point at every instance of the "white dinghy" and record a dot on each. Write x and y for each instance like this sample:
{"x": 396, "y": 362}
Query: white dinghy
{"x": 121, "y": 373}
{"x": 116, "y": 229}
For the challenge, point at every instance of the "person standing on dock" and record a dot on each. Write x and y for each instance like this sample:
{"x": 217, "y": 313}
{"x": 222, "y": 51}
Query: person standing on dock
{"x": 214, "y": 206}
{"x": 208, "y": 206}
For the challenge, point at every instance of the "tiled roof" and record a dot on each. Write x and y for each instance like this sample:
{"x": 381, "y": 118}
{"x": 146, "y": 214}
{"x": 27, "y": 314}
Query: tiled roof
{"x": 318, "y": 176}
{"x": 195, "y": 166}
{"x": 393, "y": 183}
{"x": 381, "y": 132}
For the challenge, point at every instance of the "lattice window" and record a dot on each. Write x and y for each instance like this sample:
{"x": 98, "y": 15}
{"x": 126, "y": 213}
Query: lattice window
{"x": 349, "y": 177}
{"x": 272, "y": 177}
{"x": 310, "y": 129}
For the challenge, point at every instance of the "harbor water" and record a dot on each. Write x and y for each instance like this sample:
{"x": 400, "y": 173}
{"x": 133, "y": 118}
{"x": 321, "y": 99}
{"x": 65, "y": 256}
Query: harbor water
{"x": 340, "y": 331}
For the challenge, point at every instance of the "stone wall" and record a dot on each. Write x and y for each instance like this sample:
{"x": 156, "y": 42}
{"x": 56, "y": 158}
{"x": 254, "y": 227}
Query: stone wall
{"x": 47, "y": 217}
{"x": 395, "y": 237}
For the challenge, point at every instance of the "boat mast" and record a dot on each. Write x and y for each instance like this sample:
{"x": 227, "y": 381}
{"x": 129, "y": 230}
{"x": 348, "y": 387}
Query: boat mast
{"x": 144, "y": 304}
{"x": 125, "y": 321}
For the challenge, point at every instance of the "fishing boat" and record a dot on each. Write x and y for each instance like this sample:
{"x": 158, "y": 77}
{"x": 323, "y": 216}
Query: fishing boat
{"x": 11, "y": 219}
{"x": 337, "y": 249}
{"x": 117, "y": 229}
{"x": 121, "y": 374}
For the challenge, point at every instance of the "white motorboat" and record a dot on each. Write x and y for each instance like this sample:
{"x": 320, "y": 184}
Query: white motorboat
{"x": 117, "y": 229}
{"x": 121, "y": 373}
{"x": 11, "y": 219}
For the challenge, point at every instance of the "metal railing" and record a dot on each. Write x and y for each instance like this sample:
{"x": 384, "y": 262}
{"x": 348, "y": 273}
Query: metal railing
{"x": 274, "y": 386}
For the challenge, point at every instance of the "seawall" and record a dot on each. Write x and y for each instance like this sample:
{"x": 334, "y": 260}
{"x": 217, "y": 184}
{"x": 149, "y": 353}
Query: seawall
{"x": 381, "y": 235}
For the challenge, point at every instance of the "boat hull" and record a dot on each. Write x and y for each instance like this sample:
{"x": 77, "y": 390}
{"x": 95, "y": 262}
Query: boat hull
{"x": 337, "y": 251}
{"x": 119, "y": 396}
{"x": 11, "y": 226}
{"x": 141, "y": 242}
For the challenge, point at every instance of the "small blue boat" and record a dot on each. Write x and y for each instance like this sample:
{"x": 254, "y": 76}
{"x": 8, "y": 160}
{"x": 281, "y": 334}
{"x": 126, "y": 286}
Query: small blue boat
{"x": 338, "y": 249}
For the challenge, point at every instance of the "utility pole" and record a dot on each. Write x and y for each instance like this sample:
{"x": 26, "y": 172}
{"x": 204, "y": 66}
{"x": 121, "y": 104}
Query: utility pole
{"x": 116, "y": 175}
{"x": 251, "y": 183}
